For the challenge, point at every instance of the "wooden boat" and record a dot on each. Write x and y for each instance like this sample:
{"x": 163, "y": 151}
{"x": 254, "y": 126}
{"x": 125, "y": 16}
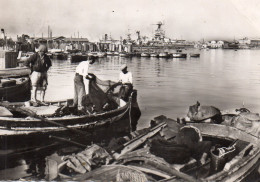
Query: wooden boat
{"x": 163, "y": 55}
{"x": 179, "y": 55}
{"x": 15, "y": 72}
{"x": 92, "y": 54}
{"x": 59, "y": 56}
{"x": 110, "y": 53}
{"x": 116, "y": 53}
{"x": 109, "y": 122}
{"x": 154, "y": 55}
{"x": 77, "y": 57}
{"x": 124, "y": 54}
{"x": 241, "y": 154}
{"x": 101, "y": 54}
{"x": 144, "y": 54}
{"x": 136, "y": 54}
{"x": 194, "y": 55}
{"x": 15, "y": 89}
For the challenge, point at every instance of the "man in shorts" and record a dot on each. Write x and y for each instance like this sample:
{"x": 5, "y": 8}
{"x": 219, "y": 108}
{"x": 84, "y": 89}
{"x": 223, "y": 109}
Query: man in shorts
{"x": 39, "y": 63}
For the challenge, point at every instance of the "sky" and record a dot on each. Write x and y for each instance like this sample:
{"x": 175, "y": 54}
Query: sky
{"x": 183, "y": 19}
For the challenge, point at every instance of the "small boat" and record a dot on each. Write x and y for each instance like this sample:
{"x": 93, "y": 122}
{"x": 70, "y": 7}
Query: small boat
{"x": 226, "y": 154}
{"x": 59, "y": 56}
{"x": 77, "y": 57}
{"x": 124, "y": 54}
{"x": 154, "y": 55}
{"x": 110, "y": 53}
{"x": 137, "y": 54}
{"x": 73, "y": 51}
{"x": 15, "y": 89}
{"x": 94, "y": 54}
{"x": 144, "y": 54}
{"x": 101, "y": 54}
{"x": 15, "y": 72}
{"x": 179, "y": 55}
{"x": 107, "y": 115}
{"x": 164, "y": 55}
{"x": 116, "y": 53}
{"x": 194, "y": 55}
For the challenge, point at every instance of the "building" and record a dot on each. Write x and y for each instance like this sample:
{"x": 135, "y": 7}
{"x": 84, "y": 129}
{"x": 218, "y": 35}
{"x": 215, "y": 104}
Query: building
{"x": 254, "y": 43}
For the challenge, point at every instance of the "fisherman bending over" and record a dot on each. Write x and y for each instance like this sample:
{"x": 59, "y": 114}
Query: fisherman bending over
{"x": 79, "y": 86}
{"x": 126, "y": 78}
{"x": 39, "y": 63}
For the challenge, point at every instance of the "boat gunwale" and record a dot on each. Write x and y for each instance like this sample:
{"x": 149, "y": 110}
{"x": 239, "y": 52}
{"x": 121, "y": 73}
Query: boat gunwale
{"x": 23, "y": 82}
{"x": 69, "y": 117}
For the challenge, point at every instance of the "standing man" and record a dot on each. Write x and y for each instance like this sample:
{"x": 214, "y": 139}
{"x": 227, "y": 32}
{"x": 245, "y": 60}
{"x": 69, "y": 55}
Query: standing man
{"x": 126, "y": 78}
{"x": 79, "y": 86}
{"x": 39, "y": 63}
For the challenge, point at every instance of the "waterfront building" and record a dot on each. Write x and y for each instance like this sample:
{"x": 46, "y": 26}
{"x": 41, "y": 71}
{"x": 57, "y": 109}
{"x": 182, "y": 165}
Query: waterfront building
{"x": 255, "y": 43}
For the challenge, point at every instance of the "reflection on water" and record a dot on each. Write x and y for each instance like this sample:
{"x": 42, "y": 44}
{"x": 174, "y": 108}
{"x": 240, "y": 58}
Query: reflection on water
{"x": 223, "y": 78}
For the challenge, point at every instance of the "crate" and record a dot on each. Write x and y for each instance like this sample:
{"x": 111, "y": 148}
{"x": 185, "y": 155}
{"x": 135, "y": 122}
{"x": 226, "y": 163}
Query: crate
{"x": 8, "y": 59}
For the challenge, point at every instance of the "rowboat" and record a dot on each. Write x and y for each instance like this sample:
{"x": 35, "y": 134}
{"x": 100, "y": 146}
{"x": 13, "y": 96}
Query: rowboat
{"x": 101, "y": 54}
{"x": 179, "y": 55}
{"x": 154, "y": 55}
{"x": 110, "y": 53}
{"x": 163, "y": 55}
{"x": 195, "y": 55}
{"x": 77, "y": 57}
{"x": 116, "y": 53}
{"x": 42, "y": 122}
{"x": 59, "y": 56}
{"x": 15, "y": 72}
{"x": 144, "y": 54}
{"x": 15, "y": 89}
{"x": 124, "y": 54}
{"x": 232, "y": 154}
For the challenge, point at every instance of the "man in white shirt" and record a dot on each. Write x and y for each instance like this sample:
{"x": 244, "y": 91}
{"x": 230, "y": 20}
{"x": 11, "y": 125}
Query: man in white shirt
{"x": 79, "y": 86}
{"x": 126, "y": 78}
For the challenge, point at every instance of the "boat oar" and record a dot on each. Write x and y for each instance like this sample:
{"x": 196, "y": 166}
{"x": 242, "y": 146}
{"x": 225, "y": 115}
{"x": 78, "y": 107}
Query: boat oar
{"x": 68, "y": 140}
{"x": 34, "y": 115}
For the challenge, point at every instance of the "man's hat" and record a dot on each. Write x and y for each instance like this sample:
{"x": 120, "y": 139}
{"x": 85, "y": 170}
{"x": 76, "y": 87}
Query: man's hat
{"x": 123, "y": 67}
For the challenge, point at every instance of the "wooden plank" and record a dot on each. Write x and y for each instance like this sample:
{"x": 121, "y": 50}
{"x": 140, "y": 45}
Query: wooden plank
{"x": 156, "y": 162}
{"x": 228, "y": 132}
{"x": 133, "y": 144}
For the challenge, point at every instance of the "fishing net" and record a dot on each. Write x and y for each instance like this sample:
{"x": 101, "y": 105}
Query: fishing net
{"x": 170, "y": 151}
{"x": 103, "y": 94}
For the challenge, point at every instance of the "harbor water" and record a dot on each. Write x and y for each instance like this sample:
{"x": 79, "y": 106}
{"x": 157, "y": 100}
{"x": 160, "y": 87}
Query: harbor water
{"x": 221, "y": 78}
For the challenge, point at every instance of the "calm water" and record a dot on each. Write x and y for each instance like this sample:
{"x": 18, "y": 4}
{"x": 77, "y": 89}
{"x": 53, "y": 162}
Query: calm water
{"x": 222, "y": 78}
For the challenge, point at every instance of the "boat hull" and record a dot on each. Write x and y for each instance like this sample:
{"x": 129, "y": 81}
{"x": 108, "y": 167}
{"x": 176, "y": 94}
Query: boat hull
{"x": 77, "y": 58}
{"x": 145, "y": 55}
{"x": 19, "y": 92}
{"x": 194, "y": 55}
{"x": 15, "y": 72}
{"x": 34, "y": 132}
{"x": 179, "y": 55}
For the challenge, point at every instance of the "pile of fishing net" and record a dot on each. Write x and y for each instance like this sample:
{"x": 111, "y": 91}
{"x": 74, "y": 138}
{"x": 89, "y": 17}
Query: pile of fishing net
{"x": 92, "y": 157}
{"x": 103, "y": 94}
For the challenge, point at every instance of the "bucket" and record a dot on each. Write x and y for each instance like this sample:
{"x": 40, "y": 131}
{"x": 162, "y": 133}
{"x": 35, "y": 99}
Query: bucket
{"x": 220, "y": 156}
